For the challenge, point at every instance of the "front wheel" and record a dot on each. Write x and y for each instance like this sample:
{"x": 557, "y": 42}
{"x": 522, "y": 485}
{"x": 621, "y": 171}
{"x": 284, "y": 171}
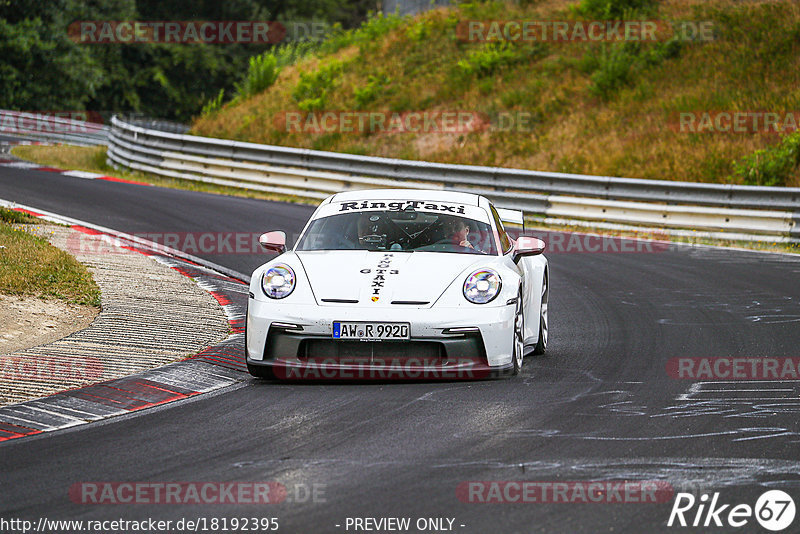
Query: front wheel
{"x": 541, "y": 346}
{"x": 519, "y": 332}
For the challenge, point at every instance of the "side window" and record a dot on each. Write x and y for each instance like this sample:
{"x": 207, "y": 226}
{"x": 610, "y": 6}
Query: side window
{"x": 505, "y": 241}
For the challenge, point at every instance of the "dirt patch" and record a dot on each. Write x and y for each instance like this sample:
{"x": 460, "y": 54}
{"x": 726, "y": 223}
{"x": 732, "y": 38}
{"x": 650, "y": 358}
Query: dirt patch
{"x": 29, "y": 321}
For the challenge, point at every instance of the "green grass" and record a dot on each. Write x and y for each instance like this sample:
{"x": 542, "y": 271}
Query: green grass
{"x": 15, "y": 217}
{"x": 30, "y": 266}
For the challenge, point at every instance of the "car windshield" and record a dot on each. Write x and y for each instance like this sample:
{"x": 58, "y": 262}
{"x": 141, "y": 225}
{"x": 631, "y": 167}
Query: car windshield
{"x": 399, "y": 230}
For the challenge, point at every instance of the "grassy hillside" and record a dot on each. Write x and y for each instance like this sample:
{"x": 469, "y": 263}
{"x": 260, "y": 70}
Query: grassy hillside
{"x": 607, "y": 108}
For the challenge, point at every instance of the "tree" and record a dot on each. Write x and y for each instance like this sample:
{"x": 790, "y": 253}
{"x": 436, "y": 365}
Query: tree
{"x": 42, "y": 69}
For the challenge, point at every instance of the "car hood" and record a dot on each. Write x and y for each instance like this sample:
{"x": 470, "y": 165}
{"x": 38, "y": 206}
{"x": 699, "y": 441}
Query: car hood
{"x": 379, "y": 279}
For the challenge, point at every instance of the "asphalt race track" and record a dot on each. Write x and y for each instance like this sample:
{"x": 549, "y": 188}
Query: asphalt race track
{"x": 600, "y": 406}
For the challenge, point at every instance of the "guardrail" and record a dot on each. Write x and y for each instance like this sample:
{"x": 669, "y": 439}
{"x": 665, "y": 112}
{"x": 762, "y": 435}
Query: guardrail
{"x": 51, "y": 128}
{"x": 761, "y": 213}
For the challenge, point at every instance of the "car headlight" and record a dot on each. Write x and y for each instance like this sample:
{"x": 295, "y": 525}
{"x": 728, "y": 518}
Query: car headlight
{"x": 482, "y": 286}
{"x": 278, "y": 281}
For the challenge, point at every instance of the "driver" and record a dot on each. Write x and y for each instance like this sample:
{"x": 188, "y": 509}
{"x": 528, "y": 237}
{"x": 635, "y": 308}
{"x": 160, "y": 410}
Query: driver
{"x": 458, "y": 229}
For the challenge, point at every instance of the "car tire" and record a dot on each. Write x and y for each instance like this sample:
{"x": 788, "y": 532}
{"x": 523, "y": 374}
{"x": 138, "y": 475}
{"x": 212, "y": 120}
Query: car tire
{"x": 541, "y": 345}
{"x": 518, "y": 347}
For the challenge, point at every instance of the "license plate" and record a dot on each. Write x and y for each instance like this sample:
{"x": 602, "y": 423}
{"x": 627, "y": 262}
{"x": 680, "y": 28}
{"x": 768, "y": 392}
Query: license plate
{"x": 370, "y": 331}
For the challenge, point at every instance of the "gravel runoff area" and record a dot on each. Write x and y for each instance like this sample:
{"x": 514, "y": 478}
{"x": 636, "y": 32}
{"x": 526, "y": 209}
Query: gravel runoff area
{"x": 151, "y": 315}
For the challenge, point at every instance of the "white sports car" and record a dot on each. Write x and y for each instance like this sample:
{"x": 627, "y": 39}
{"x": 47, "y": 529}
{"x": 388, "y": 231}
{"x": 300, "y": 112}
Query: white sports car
{"x": 398, "y": 284}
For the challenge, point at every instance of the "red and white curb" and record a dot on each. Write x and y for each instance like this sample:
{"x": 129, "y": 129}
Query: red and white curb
{"x": 173, "y": 382}
{"x": 215, "y": 367}
{"x": 27, "y": 165}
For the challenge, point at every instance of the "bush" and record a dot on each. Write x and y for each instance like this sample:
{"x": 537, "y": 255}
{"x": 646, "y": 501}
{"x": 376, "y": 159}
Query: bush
{"x": 490, "y": 57}
{"x": 662, "y": 51}
{"x": 613, "y": 71}
{"x": 369, "y": 33}
{"x": 261, "y": 74}
{"x": 215, "y": 104}
{"x": 612, "y": 9}
{"x": 336, "y": 39}
{"x": 615, "y": 65}
{"x": 291, "y": 53}
{"x": 772, "y": 166}
{"x": 311, "y": 92}
{"x": 368, "y": 93}
{"x": 263, "y": 71}
{"x": 420, "y": 30}
{"x": 376, "y": 26}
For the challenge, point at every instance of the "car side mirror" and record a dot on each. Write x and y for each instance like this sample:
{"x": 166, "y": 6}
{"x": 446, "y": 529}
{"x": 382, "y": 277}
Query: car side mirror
{"x": 273, "y": 242}
{"x": 528, "y": 246}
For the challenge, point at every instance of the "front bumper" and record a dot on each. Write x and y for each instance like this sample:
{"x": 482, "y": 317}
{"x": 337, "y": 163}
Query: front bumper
{"x": 462, "y": 369}
{"x": 296, "y": 342}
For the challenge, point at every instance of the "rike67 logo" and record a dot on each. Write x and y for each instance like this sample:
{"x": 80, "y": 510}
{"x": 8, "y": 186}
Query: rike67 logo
{"x": 774, "y": 510}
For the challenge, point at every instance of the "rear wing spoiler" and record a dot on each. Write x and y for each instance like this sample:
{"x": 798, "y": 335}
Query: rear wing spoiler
{"x": 511, "y": 217}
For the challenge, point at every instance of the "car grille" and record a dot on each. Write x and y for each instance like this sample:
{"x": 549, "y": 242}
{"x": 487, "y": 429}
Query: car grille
{"x": 371, "y": 351}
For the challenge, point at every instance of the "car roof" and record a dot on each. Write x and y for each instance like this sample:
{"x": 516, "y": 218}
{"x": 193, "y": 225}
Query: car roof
{"x": 435, "y": 195}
